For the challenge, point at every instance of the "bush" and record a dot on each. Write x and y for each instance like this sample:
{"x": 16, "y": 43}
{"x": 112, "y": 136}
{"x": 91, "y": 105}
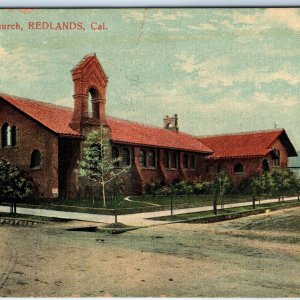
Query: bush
{"x": 14, "y": 183}
{"x": 276, "y": 183}
{"x": 165, "y": 191}
{"x": 178, "y": 188}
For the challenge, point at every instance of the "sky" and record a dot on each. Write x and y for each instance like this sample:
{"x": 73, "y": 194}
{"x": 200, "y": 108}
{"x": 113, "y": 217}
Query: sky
{"x": 220, "y": 70}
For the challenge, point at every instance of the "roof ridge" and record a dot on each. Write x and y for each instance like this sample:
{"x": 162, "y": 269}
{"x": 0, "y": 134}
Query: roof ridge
{"x": 241, "y": 132}
{"x": 151, "y": 126}
{"x": 37, "y": 101}
{"x": 83, "y": 60}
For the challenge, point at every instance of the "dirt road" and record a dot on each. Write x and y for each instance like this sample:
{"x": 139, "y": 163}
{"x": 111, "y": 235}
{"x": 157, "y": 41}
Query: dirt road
{"x": 257, "y": 256}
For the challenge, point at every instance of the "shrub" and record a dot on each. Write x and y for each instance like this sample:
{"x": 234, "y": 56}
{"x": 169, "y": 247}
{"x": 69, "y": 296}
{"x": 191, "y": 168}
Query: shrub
{"x": 165, "y": 191}
{"x": 14, "y": 183}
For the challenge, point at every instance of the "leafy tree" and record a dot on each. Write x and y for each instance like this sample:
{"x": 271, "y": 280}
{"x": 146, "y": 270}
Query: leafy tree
{"x": 220, "y": 186}
{"x": 14, "y": 184}
{"x": 259, "y": 185}
{"x": 294, "y": 184}
{"x": 281, "y": 183}
{"x": 97, "y": 163}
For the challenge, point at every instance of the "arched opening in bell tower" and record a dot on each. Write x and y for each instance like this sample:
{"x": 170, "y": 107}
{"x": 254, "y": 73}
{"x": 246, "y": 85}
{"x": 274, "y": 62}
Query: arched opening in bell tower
{"x": 93, "y": 103}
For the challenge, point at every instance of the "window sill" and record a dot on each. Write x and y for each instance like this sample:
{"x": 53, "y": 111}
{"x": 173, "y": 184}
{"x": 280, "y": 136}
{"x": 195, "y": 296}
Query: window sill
{"x": 152, "y": 168}
{"x": 35, "y": 168}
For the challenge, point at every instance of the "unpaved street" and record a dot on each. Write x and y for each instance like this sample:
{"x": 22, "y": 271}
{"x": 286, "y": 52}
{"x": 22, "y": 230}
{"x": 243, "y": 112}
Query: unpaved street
{"x": 257, "y": 256}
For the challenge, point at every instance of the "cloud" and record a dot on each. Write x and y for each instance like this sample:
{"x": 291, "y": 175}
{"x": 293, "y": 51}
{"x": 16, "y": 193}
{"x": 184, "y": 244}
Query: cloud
{"x": 188, "y": 63}
{"x": 288, "y": 17}
{"x": 155, "y": 16}
{"x": 3, "y": 53}
{"x": 68, "y": 102}
{"x": 136, "y": 15}
{"x": 161, "y": 15}
{"x": 261, "y": 20}
{"x": 214, "y": 71}
{"x": 277, "y": 100}
{"x": 209, "y": 27}
{"x": 17, "y": 64}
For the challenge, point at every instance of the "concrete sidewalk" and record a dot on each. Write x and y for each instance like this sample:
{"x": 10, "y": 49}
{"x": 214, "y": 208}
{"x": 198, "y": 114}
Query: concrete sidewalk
{"x": 138, "y": 219}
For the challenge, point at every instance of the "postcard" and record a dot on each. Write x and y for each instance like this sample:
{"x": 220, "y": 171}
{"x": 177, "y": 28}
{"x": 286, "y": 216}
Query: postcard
{"x": 149, "y": 152}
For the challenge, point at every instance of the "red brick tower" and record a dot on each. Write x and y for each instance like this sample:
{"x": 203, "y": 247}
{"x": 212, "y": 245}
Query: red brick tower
{"x": 90, "y": 84}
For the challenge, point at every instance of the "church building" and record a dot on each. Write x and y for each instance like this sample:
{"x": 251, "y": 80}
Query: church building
{"x": 45, "y": 140}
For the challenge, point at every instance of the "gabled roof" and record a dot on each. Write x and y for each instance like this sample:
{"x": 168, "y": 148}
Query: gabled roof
{"x": 129, "y": 132}
{"x": 57, "y": 118}
{"x": 249, "y": 144}
{"x": 85, "y": 64}
{"x": 53, "y": 117}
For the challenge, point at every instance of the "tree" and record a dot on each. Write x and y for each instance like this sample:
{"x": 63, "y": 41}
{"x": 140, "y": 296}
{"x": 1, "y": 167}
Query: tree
{"x": 219, "y": 186}
{"x": 259, "y": 185}
{"x": 14, "y": 184}
{"x": 294, "y": 184}
{"x": 281, "y": 183}
{"x": 97, "y": 163}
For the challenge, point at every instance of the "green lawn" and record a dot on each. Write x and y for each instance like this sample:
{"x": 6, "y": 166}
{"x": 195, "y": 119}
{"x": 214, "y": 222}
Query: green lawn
{"x": 227, "y": 211}
{"x": 157, "y": 202}
{"x": 189, "y": 201}
{"x": 136, "y": 203}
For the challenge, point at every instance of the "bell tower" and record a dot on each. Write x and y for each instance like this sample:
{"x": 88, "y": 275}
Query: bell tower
{"x": 90, "y": 84}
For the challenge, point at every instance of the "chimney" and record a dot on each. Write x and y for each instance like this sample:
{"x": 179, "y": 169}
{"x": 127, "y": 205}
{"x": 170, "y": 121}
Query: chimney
{"x": 171, "y": 123}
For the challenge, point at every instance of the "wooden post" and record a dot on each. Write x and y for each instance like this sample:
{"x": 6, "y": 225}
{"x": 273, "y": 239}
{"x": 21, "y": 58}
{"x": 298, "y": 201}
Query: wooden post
{"x": 116, "y": 214}
{"x": 253, "y": 202}
{"x": 171, "y": 205}
{"x": 215, "y": 204}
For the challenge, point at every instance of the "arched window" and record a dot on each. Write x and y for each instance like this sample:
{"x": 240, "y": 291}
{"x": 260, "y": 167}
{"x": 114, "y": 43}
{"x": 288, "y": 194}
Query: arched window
{"x": 265, "y": 165}
{"x": 276, "y": 160}
{"x": 185, "y": 161}
{"x": 6, "y": 135}
{"x": 143, "y": 158}
{"x": 238, "y": 168}
{"x": 174, "y": 160}
{"x": 152, "y": 158}
{"x": 115, "y": 156}
{"x": 192, "y": 162}
{"x": 126, "y": 157}
{"x": 167, "y": 160}
{"x": 36, "y": 159}
{"x": 93, "y": 103}
{"x": 14, "y": 136}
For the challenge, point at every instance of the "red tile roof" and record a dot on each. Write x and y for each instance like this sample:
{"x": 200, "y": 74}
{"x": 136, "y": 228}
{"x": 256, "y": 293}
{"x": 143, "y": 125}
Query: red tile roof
{"x": 134, "y": 133}
{"x": 85, "y": 63}
{"x": 54, "y": 117}
{"x": 57, "y": 119}
{"x": 250, "y": 144}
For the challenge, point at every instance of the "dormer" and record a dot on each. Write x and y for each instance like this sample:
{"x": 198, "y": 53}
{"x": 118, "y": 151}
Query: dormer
{"x": 90, "y": 82}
